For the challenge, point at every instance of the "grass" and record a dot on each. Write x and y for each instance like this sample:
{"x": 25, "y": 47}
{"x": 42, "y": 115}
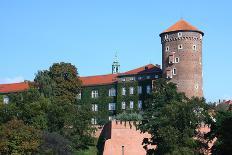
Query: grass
{"x": 91, "y": 151}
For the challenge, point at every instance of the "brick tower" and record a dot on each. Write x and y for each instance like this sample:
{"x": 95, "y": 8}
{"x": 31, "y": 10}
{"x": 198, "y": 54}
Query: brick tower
{"x": 182, "y": 57}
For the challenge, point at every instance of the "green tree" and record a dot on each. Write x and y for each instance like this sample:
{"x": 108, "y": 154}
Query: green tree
{"x": 172, "y": 120}
{"x": 221, "y": 128}
{"x": 17, "y": 138}
{"x": 65, "y": 116}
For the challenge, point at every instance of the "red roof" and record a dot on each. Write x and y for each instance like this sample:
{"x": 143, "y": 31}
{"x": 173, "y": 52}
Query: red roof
{"x": 99, "y": 79}
{"x": 182, "y": 25}
{"x": 142, "y": 70}
{"x": 111, "y": 78}
{"x": 14, "y": 87}
{"x": 228, "y": 102}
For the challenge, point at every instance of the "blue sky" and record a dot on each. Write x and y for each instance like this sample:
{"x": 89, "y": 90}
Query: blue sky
{"x": 35, "y": 34}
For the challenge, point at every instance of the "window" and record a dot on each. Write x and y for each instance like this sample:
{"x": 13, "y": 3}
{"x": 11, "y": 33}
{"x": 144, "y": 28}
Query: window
{"x": 112, "y": 92}
{"x": 94, "y": 121}
{"x": 174, "y": 71}
{"x": 131, "y": 90}
{"x": 5, "y": 99}
{"x": 79, "y": 96}
{"x": 94, "y": 94}
{"x": 139, "y": 89}
{"x": 200, "y": 36}
{"x": 94, "y": 107}
{"x": 180, "y": 47}
{"x": 169, "y": 73}
{"x": 111, "y": 118}
{"x": 148, "y": 77}
{"x": 131, "y": 104}
{"x": 139, "y": 104}
{"x": 132, "y": 78}
{"x": 156, "y": 76}
{"x": 177, "y": 60}
{"x": 179, "y": 34}
{"x": 196, "y": 86}
{"x": 123, "y": 79}
{"x": 148, "y": 89}
{"x": 123, "y": 105}
{"x": 111, "y": 106}
{"x": 166, "y": 36}
{"x": 194, "y": 47}
{"x": 139, "y": 78}
{"x": 123, "y": 91}
{"x": 167, "y": 48}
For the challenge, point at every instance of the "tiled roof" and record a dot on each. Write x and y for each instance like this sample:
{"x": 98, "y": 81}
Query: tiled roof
{"x": 228, "y": 102}
{"x": 14, "y": 87}
{"x": 182, "y": 25}
{"x": 111, "y": 78}
{"x": 99, "y": 79}
{"x": 150, "y": 68}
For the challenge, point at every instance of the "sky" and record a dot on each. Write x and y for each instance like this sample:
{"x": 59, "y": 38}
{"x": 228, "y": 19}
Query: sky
{"x": 87, "y": 33}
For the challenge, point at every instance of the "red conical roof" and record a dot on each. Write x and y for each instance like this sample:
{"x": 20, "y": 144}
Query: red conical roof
{"x": 182, "y": 25}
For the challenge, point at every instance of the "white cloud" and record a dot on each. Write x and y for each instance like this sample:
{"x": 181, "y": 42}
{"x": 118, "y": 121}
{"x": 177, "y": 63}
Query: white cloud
{"x": 11, "y": 80}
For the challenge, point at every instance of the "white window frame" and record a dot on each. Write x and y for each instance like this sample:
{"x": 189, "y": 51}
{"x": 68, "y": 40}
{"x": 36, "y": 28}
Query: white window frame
{"x": 112, "y": 92}
{"x": 94, "y": 107}
{"x": 131, "y": 90}
{"x": 112, "y": 106}
{"x": 174, "y": 71}
{"x": 140, "y": 103}
{"x": 180, "y": 47}
{"x": 123, "y": 105}
{"x": 140, "y": 89}
{"x": 177, "y": 59}
{"x": 131, "y": 104}
{"x": 78, "y": 96}
{"x": 166, "y": 36}
{"x": 167, "y": 49}
{"x": 94, "y": 94}
{"x": 93, "y": 121}
{"x": 194, "y": 47}
{"x": 179, "y": 34}
{"x": 123, "y": 91}
{"x": 6, "y": 99}
{"x": 148, "y": 89}
{"x": 132, "y": 78}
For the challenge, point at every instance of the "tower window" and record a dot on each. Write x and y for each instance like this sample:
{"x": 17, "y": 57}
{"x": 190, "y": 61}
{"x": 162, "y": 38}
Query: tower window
{"x": 177, "y": 60}
{"x": 194, "y": 47}
{"x": 166, "y": 36}
{"x": 179, "y": 34}
{"x": 174, "y": 71}
{"x": 167, "y": 48}
{"x": 180, "y": 46}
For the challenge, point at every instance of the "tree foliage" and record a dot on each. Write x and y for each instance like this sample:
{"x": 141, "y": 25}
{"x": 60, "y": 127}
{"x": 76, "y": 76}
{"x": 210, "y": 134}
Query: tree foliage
{"x": 221, "y": 129}
{"x": 172, "y": 119}
{"x": 50, "y": 105}
{"x": 18, "y": 138}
